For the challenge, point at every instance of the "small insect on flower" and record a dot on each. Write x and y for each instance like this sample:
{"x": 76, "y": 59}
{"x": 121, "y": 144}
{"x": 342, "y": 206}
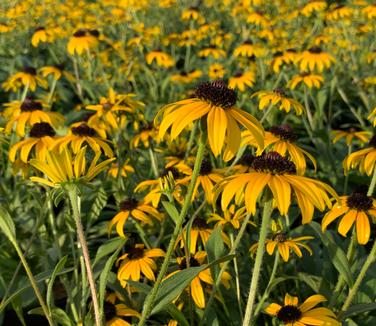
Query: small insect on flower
{"x": 291, "y": 314}
{"x": 365, "y": 159}
{"x": 278, "y": 96}
{"x": 356, "y": 208}
{"x": 217, "y": 102}
{"x": 138, "y": 260}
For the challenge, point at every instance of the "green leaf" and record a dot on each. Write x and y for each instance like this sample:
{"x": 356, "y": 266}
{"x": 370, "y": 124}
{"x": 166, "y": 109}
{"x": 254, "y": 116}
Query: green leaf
{"x": 108, "y": 248}
{"x": 7, "y": 224}
{"x": 177, "y": 315}
{"x": 215, "y": 248}
{"x": 58, "y": 268}
{"x": 104, "y": 275}
{"x": 337, "y": 256}
{"x": 100, "y": 202}
{"x": 58, "y": 315}
{"x": 171, "y": 210}
{"x": 359, "y": 308}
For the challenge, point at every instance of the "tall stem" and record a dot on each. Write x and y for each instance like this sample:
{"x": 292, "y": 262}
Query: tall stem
{"x": 75, "y": 203}
{"x": 259, "y": 255}
{"x": 151, "y": 297}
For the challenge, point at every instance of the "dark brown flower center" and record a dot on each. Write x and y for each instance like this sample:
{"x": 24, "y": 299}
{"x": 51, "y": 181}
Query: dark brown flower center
{"x": 200, "y": 224}
{"x": 30, "y": 70}
{"x": 359, "y": 201}
{"x": 315, "y": 49}
{"x": 94, "y": 32}
{"x": 136, "y": 253}
{"x": 166, "y": 172}
{"x": 107, "y": 106}
{"x": 277, "y": 54}
{"x": 80, "y": 33}
{"x": 128, "y": 204}
{"x": 304, "y": 74}
{"x": 28, "y": 105}
{"x": 192, "y": 263}
{"x": 216, "y": 93}
{"x": 206, "y": 167}
{"x": 247, "y": 159}
{"x": 41, "y": 129}
{"x": 109, "y": 310}
{"x": 40, "y": 28}
{"x": 372, "y": 142}
{"x": 273, "y": 163}
{"x": 238, "y": 74}
{"x": 280, "y": 92}
{"x": 83, "y": 130}
{"x": 289, "y": 314}
{"x": 280, "y": 237}
{"x": 284, "y": 132}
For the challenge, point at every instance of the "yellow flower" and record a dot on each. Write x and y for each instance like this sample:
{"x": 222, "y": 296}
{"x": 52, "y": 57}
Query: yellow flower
{"x": 138, "y": 260}
{"x": 290, "y": 314}
{"x": 212, "y": 51}
{"x": 125, "y": 170}
{"x": 370, "y": 11}
{"x": 373, "y": 116}
{"x": 186, "y": 77}
{"x": 278, "y": 96}
{"x": 28, "y": 113}
{"x": 365, "y": 159}
{"x": 146, "y": 134}
{"x": 216, "y": 70}
{"x": 41, "y": 137}
{"x": 162, "y": 59}
{"x": 57, "y": 72}
{"x": 351, "y": 135}
{"x": 82, "y": 40}
{"x": 41, "y": 35}
{"x": 258, "y": 18}
{"x": 79, "y": 134}
{"x": 338, "y": 12}
{"x": 248, "y": 49}
{"x": 113, "y": 314}
{"x": 61, "y": 167}
{"x": 356, "y": 208}
{"x": 242, "y": 79}
{"x": 279, "y": 174}
{"x": 308, "y": 79}
{"x": 312, "y": 7}
{"x": 191, "y": 13}
{"x": 281, "y": 139}
{"x": 139, "y": 210}
{"x": 231, "y": 216}
{"x": 217, "y": 102}
{"x": 27, "y": 78}
{"x": 315, "y": 58}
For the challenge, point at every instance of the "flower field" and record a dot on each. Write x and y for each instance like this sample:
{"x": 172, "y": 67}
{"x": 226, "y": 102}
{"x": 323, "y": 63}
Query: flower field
{"x": 168, "y": 162}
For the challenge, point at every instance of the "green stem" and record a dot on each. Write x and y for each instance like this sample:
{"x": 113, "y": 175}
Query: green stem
{"x": 154, "y": 164}
{"x": 237, "y": 280}
{"x": 346, "y": 185}
{"x": 308, "y": 109}
{"x": 75, "y": 203}
{"x": 52, "y": 91}
{"x": 259, "y": 255}
{"x": 372, "y": 184}
{"x": 24, "y": 93}
{"x": 151, "y": 297}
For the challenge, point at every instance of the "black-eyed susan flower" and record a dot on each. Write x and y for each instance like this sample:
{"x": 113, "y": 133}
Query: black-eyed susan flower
{"x": 351, "y": 135}
{"x": 231, "y": 217}
{"x": 198, "y": 236}
{"x": 258, "y": 18}
{"x": 79, "y": 135}
{"x": 248, "y": 49}
{"x": 365, "y": 159}
{"x": 216, "y": 71}
{"x": 145, "y": 135}
{"x": 28, "y": 113}
{"x": 82, "y": 40}
{"x": 313, "y": 6}
{"x": 242, "y": 79}
{"x": 41, "y": 35}
{"x": 62, "y": 167}
{"x": 275, "y": 97}
{"x": 113, "y": 171}
{"x": 187, "y": 77}
{"x": 138, "y": 209}
{"x": 282, "y": 139}
{"x": 356, "y": 208}
{"x": 339, "y": 11}
{"x": 118, "y": 314}
{"x": 41, "y": 138}
{"x": 57, "y": 72}
{"x": 308, "y": 79}
{"x": 313, "y": 58}
{"x": 290, "y": 314}
{"x": 212, "y": 51}
{"x": 27, "y": 78}
{"x": 370, "y": 11}
{"x": 279, "y": 174}
{"x": 216, "y": 101}
{"x": 162, "y": 59}
{"x": 137, "y": 261}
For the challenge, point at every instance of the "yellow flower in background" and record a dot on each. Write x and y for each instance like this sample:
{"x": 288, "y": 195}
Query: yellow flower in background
{"x": 314, "y": 58}
{"x": 308, "y": 79}
{"x": 281, "y": 139}
{"x": 131, "y": 207}
{"x": 279, "y": 174}
{"x": 29, "y": 112}
{"x": 212, "y": 51}
{"x": 370, "y": 11}
{"x": 41, "y": 138}
{"x": 82, "y": 40}
{"x": 242, "y": 79}
{"x": 290, "y": 314}
{"x": 138, "y": 260}
{"x": 216, "y": 71}
{"x": 124, "y": 171}
{"x": 27, "y": 78}
{"x": 145, "y": 135}
{"x": 41, "y": 35}
{"x": 248, "y": 49}
{"x": 356, "y": 208}
{"x": 161, "y": 58}
{"x": 275, "y": 97}
{"x": 364, "y": 159}
{"x": 231, "y": 216}
{"x": 57, "y": 72}
{"x": 339, "y": 12}
{"x": 217, "y": 102}
{"x": 313, "y": 6}
{"x": 113, "y": 314}
{"x": 372, "y": 116}
{"x": 191, "y": 13}
{"x": 187, "y": 77}
{"x": 62, "y": 167}
{"x": 351, "y": 136}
